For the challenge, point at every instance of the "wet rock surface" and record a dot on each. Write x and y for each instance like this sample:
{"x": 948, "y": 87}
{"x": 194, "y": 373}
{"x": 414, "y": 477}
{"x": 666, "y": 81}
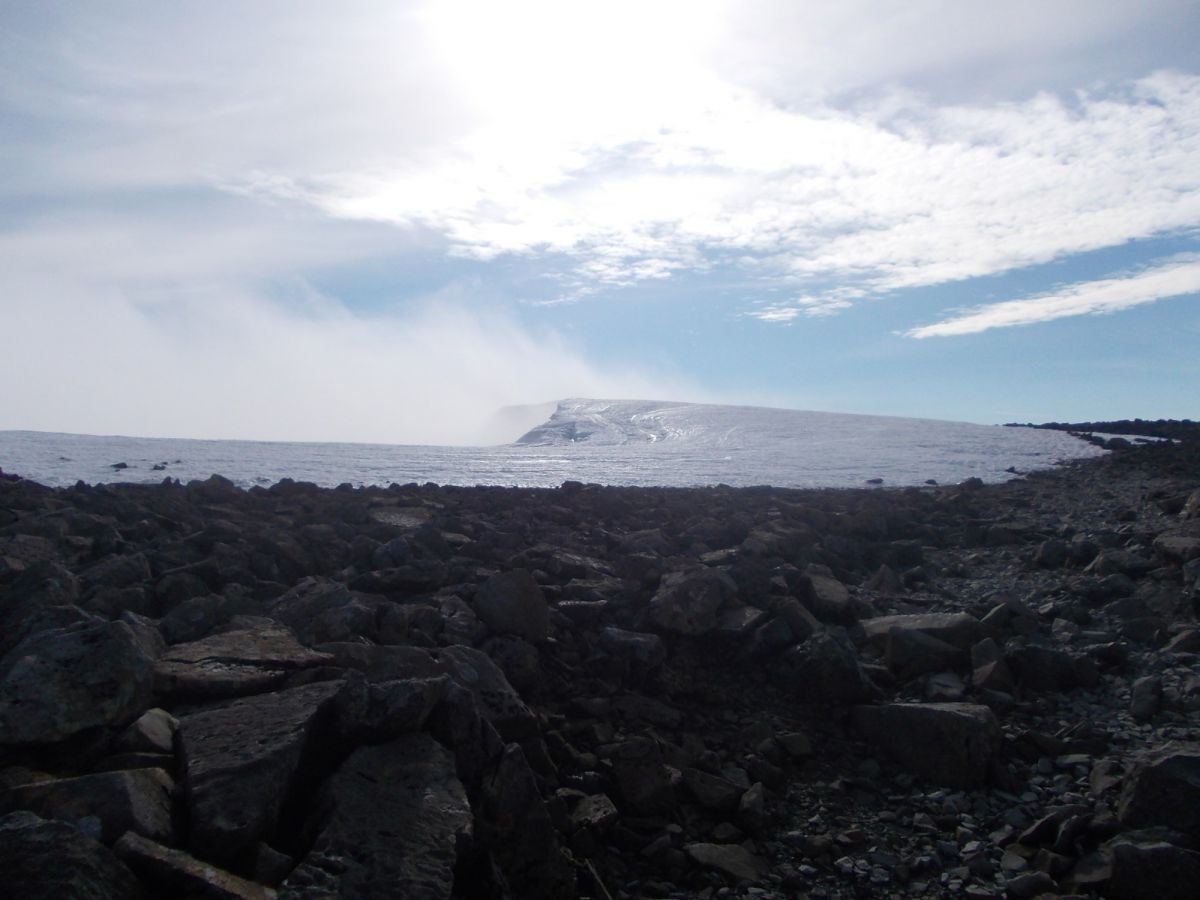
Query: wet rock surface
{"x": 982, "y": 691}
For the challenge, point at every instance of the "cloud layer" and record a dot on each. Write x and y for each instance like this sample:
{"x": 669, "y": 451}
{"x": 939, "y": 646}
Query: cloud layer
{"x": 1172, "y": 279}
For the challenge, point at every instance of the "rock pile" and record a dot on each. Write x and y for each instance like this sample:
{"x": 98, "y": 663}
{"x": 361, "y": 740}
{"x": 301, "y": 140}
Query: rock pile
{"x": 439, "y": 692}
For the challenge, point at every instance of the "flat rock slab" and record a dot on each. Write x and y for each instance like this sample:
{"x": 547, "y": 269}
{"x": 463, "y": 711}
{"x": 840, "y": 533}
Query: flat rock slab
{"x": 233, "y": 664}
{"x": 53, "y": 859}
{"x": 731, "y": 860}
{"x": 240, "y": 763}
{"x": 950, "y": 744}
{"x": 60, "y": 682}
{"x": 396, "y": 814}
{"x": 178, "y": 874}
{"x": 136, "y": 800}
{"x": 957, "y": 629}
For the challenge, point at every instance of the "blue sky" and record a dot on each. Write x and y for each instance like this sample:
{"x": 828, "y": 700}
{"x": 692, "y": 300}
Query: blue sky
{"x": 383, "y": 221}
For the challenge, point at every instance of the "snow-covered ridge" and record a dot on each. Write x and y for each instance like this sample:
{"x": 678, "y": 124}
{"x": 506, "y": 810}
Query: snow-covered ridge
{"x": 609, "y": 422}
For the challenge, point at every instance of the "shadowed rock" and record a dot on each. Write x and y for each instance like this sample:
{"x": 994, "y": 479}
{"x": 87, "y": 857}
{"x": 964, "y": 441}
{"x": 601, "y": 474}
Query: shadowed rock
{"x": 395, "y": 817}
{"x": 950, "y": 744}
{"x": 241, "y": 762}
{"x": 138, "y": 800}
{"x": 53, "y": 859}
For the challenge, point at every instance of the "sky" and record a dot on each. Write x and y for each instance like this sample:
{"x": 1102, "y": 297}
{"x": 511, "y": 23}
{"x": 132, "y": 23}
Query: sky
{"x": 384, "y": 221}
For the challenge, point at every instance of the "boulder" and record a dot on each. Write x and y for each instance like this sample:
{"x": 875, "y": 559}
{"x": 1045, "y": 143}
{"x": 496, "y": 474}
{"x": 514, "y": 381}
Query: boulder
{"x": 829, "y": 599}
{"x": 394, "y": 816}
{"x": 40, "y": 858}
{"x": 57, "y": 683}
{"x": 174, "y": 873}
{"x": 950, "y": 744}
{"x": 240, "y": 763}
{"x": 137, "y": 800}
{"x": 1179, "y": 548}
{"x": 687, "y": 601}
{"x": 1163, "y": 788}
{"x": 513, "y": 603}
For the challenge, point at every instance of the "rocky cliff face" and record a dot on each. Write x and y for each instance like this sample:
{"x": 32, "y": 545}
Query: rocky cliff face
{"x": 428, "y": 691}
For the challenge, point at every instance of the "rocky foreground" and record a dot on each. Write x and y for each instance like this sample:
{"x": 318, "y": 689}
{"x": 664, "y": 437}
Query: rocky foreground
{"x": 431, "y": 692}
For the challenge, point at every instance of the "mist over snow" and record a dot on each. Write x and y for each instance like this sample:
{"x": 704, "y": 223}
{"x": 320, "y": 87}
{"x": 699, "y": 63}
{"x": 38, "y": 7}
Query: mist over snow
{"x": 217, "y": 362}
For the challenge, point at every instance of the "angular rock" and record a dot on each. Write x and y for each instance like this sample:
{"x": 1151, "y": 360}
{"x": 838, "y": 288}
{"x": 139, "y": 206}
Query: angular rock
{"x": 319, "y": 611}
{"x": 950, "y": 744}
{"x": 57, "y": 683}
{"x": 177, "y": 874}
{"x": 242, "y": 761}
{"x": 394, "y": 818}
{"x": 1163, "y": 788}
{"x": 515, "y": 827}
{"x": 138, "y": 800}
{"x": 642, "y": 777}
{"x": 595, "y": 812}
{"x": 153, "y": 732}
{"x": 687, "y": 602}
{"x": 823, "y": 670}
{"x": 513, "y": 603}
{"x": 233, "y": 664}
{"x": 712, "y": 791}
{"x": 912, "y": 653}
{"x": 829, "y": 599}
{"x": 1049, "y": 669}
{"x": 643, "y": 652}
{"x": 40, "y": 858}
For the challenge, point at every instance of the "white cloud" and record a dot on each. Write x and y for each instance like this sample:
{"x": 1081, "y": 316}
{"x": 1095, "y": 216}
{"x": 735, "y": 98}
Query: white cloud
{"x": 1176, "y": 278}
{"x": 840, "y": 150}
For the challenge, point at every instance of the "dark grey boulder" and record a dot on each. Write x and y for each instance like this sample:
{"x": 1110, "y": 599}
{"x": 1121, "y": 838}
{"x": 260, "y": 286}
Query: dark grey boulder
{"x": 138, "y": 800}
{"x": 57, "y": 683}
{"x": 40, "y": 858}
{"x": 950, "y": 744}
{"x": 1163, "y": 788}
{"x": 513, "y": 603}
{"x": 1151, "y": 870}
{"x": 320, "y": 611}
{"x": 241, "y": 762}
{"x": 394, "y": 817}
